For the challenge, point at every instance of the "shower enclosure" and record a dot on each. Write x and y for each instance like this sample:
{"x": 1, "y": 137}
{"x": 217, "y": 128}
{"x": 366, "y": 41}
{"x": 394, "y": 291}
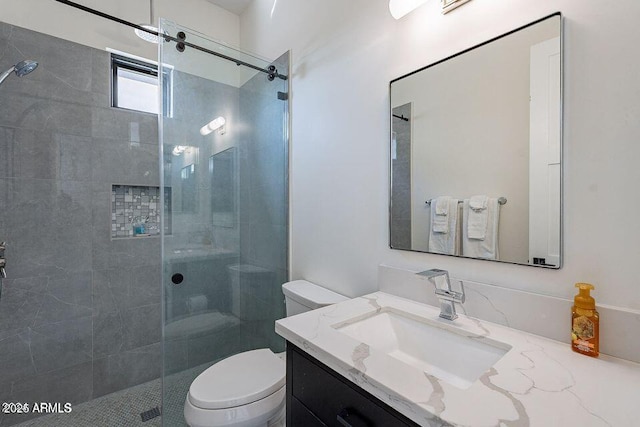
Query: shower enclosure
{"x": 224, "y": 167}
{"x": 115, "y": 323}
{"x": 80, "y": 309}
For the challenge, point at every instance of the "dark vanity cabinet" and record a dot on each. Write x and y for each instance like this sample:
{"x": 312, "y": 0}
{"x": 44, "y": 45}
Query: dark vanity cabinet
{"x": 318, "y": 396}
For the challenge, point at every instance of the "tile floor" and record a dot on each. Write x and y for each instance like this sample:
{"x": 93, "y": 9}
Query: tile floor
{"x": 123, "y": 408}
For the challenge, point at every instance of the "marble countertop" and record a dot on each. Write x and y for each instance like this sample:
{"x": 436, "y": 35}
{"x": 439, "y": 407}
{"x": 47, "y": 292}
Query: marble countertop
{"x": 539, "y": 382}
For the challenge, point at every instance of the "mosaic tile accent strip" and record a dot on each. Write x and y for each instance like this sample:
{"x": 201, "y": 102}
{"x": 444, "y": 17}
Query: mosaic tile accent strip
{"x": 135, "y": 211}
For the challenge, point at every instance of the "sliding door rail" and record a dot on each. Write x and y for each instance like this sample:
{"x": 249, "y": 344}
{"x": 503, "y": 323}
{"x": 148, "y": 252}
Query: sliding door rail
{"x": 271, "y": 71}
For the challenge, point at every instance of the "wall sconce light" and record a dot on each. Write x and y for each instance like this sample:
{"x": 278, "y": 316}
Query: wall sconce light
{"x": 179, "y": 149}
{"x": 214, "y": 125}
{"x": 400, "y": 8}
{"x": 449, "y": 5}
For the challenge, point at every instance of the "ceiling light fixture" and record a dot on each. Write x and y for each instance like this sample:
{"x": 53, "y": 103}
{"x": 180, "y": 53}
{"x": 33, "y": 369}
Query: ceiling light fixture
{"x": 214, "y": 125}
{"x": 400, "y": 8}
{"x": 148, "y": 37}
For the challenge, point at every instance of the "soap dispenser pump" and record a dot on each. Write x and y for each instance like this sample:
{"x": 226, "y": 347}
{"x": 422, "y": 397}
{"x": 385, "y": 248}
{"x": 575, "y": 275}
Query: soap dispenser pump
{"x": 585, "y": 322}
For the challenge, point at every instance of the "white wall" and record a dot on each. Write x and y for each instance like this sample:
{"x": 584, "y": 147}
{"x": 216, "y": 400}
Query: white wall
{"x": 59, "y": 20}
{"x": 345, "y": 54}
{"x": 459, "y": 152}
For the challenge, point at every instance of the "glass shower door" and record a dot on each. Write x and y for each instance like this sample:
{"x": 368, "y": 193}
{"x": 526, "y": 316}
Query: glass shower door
{"x": 225, "y": 241}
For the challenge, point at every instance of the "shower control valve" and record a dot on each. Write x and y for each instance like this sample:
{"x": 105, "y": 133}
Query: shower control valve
{"x": 3, "y": 262}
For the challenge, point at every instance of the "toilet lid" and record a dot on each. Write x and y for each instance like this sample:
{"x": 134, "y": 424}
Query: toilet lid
{"x": 238, "y": 380}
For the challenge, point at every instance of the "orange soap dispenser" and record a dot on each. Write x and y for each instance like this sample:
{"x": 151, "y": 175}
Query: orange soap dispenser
{"x": 585, "y": 322}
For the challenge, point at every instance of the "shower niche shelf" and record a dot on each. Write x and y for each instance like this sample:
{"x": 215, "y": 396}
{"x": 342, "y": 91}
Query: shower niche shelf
{"x": 134, "y": 203}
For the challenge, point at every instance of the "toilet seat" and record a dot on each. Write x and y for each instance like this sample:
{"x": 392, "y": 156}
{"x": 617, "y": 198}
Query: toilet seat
{"x": 238, "y": 380}
{"x": 266, "y": 412}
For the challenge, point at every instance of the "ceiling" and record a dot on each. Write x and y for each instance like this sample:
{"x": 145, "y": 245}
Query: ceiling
{"x": 234, "y": 6}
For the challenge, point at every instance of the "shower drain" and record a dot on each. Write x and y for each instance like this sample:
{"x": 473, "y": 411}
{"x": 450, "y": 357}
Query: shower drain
{"x": 150, "y": 414}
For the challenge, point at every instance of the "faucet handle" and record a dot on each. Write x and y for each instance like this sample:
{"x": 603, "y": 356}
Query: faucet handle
{"x": 434, "y": 272}
{"x": 452, "y": 295}
{"x": 3, "y": 262}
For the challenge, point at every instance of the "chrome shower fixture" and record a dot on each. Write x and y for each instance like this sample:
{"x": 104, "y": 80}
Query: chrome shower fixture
{"x": 148, "y": 37}
{"x": 21, "y": 69}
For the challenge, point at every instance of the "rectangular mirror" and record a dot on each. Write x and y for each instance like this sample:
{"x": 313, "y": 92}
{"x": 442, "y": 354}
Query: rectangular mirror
{"x": 476, "y": 151}
{"x": 222, "y": 170}
{"x": 188, "y": 188}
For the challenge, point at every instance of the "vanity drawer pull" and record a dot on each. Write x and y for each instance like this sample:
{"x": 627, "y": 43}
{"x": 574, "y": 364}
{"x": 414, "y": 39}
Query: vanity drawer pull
{"x": 350, "y": 418}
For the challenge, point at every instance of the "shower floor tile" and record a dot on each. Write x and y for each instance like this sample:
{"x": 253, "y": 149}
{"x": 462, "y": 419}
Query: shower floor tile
{"x": 120, "y": 409}
{"x": 123, "y": 408}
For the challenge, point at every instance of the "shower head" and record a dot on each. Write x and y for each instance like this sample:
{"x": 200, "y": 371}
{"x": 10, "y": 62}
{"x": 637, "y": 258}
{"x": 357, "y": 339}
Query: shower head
{"x": 21, "y": 69}
{"x": 25, "y": 67}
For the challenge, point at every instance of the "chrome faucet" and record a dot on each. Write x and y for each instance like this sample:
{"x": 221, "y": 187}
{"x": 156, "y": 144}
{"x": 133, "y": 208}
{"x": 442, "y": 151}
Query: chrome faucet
{"x": 3, "y": 262}
{"x": 446, "y": 295}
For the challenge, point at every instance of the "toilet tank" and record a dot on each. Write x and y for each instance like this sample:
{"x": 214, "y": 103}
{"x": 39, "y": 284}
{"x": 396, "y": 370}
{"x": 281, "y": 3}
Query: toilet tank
{"x": 301, "y": 296}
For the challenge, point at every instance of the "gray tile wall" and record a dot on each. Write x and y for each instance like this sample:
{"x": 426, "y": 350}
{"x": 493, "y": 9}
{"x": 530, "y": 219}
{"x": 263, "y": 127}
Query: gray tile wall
{"x": 197, "y": 101}
{"x": 401, "y": 191}
{"x": 264, "y": 206}
{"x": 213, "y": 248}
{"x": 256, "y": 239}
{"x": 80, "y": 313}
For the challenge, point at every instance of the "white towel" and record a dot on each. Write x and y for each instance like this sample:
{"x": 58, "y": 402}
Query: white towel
{"x": 478, "y": 217}
{"x": 478, "y": 202}
{"x": 440, "y": 215}
{"x": 445, "y": 243}
{"x": 442, "y": 205}
{"x": 476, "y": 248}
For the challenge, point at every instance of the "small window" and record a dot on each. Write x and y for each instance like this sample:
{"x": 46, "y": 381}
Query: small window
{"x": 134, "y": 85}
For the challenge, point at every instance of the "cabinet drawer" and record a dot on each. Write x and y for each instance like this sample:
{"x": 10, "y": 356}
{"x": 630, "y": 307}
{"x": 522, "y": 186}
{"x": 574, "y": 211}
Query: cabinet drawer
{"x": 334, "y": 400}
{"x": 301, "y": 416}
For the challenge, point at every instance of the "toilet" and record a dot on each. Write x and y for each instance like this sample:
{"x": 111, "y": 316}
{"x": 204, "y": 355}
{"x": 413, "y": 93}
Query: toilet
{"x": 248, "y": 389}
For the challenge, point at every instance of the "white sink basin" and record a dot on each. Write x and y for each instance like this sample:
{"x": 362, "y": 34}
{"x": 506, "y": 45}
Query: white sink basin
{"x": 451, "y": 355}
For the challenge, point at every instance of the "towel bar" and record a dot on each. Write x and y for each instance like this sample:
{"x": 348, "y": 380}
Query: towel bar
{"x": 501, "y": 201}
